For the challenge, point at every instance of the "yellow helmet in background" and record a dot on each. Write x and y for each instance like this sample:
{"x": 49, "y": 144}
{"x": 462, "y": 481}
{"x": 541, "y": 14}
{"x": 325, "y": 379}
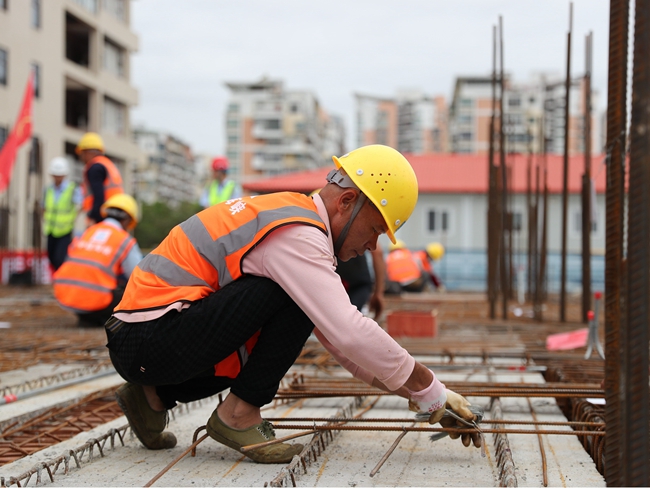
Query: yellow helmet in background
{"x": 125, "y": 203}
{"x": 398, "y": 244}
{"x": 90, "y": 140}
{"x": 435, "y": 250}
{"x": 386, "y": 178}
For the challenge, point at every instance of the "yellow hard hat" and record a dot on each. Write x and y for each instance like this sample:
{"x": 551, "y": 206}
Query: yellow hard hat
{"x": 398, "y": 244}
{"x": 435, "y": 250}
{"x": 386, "y": 178}
{"x": 123, "y": 202}
{"x": 90, "y": 140}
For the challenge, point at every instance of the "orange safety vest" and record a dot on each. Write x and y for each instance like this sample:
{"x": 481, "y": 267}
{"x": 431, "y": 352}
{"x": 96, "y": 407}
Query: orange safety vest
{"x": 112, "y": 184}
{"x": 206, "y": 252}
{"x": 424, "y": 261}
{"x": 86, "y": 280}
{"x": 402, "y": 267}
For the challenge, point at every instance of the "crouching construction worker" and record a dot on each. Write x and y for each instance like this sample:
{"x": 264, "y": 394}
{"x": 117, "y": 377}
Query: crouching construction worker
{"x": 404, "y": 269}
{"x": 101, "y": 178}
{"x": 91, "y": 281}
{"x": 433, "y": 252}
{"x": 227, "y": 300}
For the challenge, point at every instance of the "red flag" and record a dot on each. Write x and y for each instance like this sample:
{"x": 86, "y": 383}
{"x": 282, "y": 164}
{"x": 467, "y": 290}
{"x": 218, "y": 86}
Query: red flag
{"x": 21, "y": 132}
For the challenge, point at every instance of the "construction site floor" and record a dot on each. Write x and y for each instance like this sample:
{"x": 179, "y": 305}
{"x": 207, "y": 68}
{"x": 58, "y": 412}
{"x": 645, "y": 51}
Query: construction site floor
{"x": 50, "y": 365}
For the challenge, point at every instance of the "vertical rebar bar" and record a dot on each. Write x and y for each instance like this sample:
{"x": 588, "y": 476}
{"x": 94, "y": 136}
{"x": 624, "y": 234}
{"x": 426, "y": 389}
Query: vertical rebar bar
{"x": 492, "y": 195}
{"x": 616, "y": 108}
{"x": 565, "y": 173}
{"x": 635, "y": 391}
{"x": 503, "y": 268}
{"x": 586, "y": 187}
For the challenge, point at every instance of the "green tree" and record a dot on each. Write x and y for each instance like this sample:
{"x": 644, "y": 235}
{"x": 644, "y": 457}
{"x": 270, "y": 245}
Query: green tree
{"x": 158, "y": 219}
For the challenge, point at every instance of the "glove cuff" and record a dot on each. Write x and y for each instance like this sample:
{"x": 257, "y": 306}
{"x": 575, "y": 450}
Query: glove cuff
{"x": 433, "y": 397}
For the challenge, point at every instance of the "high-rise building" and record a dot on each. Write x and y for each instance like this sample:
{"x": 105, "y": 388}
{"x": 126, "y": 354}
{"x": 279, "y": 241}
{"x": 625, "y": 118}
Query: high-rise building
{"x": 79, "y": 52}
{"x": 272, "y": 130}
{"x": 165, "y": 171}
{"x": 526, "y": 108}
{"x": 411, "y": 122}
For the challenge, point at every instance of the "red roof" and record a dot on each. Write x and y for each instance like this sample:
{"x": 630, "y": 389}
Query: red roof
{"x": 455, "y": 173}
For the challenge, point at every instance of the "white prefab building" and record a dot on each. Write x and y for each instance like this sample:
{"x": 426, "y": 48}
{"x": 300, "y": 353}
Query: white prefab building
{"x": 453, "y": 204}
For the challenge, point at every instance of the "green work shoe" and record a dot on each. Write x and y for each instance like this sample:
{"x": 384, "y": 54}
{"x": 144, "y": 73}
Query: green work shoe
{"x": 276, "y": 453}
{"x": 146, "y": 423}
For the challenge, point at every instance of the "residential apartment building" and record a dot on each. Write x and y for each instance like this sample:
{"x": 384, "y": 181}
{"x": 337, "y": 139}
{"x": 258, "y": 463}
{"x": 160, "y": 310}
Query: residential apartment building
{"x": 526, "y": 107}
{"x": 411, "y": 122}
{"x": 272, "y": 130}
{"x": 79, "y": 52}
{"x": 165, "y": 171}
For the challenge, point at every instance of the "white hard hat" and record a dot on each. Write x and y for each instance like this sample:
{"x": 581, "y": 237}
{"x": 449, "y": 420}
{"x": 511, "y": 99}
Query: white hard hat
{"x": 59, "y": 167}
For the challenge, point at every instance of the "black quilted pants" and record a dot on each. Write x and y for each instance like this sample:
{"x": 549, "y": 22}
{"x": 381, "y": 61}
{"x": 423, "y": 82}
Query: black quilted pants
{"x": 177, "y": 352}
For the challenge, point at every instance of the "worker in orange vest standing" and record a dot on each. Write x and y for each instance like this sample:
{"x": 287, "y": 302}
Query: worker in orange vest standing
{"x": 91, "y": 281}
{"x": 221, "y": 188}
{"x": 101, "y": 178}
{"x": 403, "y": 268}
{"x": 433, "y": 252}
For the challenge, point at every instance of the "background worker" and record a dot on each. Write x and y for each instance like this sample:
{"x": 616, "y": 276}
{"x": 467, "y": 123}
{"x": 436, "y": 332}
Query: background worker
{"x": 101, "y": 178}
{"x": 362, "y": 287}
{"x": 433, "y": 252}
{"x": 221, "y": 188}
{"x": 61, "y": 203}
{"x": 230, "y": 296}
{"x": 403, "y": 268}
{"x": 91, "y": 281}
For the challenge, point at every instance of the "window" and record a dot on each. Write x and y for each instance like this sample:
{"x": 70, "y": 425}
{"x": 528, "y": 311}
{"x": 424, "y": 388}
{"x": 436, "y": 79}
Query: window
{"x": 514, "y": 102}
{"x": 272, "y": 124}
{"x": 114, "y": 120}
{"x": 116, "y": 8}
{"x": 578, "y": 224}
{"x": 294, "y": 107}
{"x": 36, "y": 69}
{"x": 3, "y": 67}
{"x": 90, "y": 5}
{"x": 36, "y": 13}
{"x": 516, "y": 221}
{"x": 233, "y": 139}
{"x": 114, "y": 56}
{"x": 4, "y": 133}
{"x": 233, "y": 107}
{"x": 77, "y": 40}
{"x": 438, "y": 221}
{"x": 233, "y": 123}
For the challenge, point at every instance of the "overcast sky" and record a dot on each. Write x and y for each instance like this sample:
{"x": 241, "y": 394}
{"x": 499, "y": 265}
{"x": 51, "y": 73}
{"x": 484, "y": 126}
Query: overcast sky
{"x": 190, "y": 48}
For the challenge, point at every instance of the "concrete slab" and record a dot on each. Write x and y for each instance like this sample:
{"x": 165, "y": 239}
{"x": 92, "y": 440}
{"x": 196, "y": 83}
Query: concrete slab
{"x": 347, "y": 460}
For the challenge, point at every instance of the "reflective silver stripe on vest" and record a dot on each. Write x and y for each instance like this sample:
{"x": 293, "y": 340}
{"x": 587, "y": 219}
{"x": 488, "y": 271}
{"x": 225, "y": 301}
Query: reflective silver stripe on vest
{"x": 169, "y": 271}
{"x": 83, "y": 284}
{"x": 92, "y": 264}
{"x": 215, "y": 251}
{"x": 243, "y": 355}
{"x": 120, "y": 250}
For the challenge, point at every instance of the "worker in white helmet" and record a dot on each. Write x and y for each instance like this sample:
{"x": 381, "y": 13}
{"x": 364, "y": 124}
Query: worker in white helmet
{"x": 61, "y": 204}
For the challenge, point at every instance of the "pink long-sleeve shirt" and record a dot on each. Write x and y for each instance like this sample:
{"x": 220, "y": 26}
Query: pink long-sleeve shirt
{"x": 300, "y": 258}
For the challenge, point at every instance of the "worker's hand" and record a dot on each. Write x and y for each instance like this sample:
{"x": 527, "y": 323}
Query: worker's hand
{"x": 376, "y": 305}
{"x": 459, "y": 405}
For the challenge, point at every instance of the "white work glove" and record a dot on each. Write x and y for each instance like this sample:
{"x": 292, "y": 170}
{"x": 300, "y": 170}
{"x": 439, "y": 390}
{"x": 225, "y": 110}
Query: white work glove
{"x": 423, "y": 401}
